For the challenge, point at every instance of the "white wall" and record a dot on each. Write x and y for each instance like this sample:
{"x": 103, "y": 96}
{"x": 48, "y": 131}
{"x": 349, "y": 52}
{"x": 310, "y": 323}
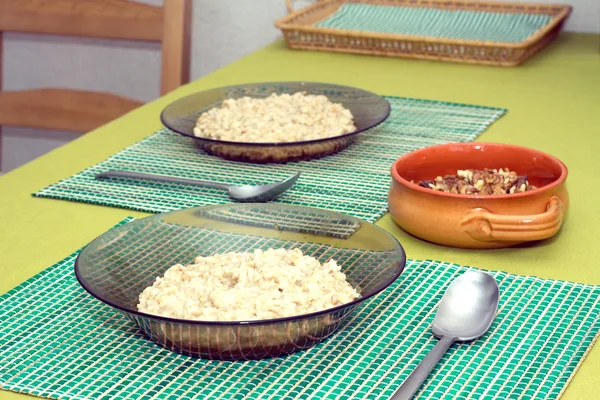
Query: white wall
{"x": 223, "y": 31}
{"x": 584, "y": 18}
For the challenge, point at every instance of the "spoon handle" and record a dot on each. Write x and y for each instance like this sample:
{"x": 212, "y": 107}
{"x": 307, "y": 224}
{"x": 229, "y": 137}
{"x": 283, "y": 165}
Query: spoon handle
{"x": 410, "y": 386}
{"x": 160, "y": 178}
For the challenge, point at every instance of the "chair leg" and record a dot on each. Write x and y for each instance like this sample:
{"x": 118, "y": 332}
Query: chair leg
{"x": 0, "y": 150}
{"x": 1, "y": 77}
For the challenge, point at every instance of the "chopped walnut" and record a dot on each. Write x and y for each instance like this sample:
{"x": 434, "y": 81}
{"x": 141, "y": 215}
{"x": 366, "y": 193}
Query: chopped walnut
{"x": 484, "y": 182}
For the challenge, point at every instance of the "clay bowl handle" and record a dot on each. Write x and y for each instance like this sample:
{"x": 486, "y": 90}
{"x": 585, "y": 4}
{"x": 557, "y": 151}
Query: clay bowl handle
{"x": 486, "y": 226}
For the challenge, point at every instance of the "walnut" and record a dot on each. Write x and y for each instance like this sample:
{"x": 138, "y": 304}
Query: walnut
{"x": 462, "y": 186}
{"x": 466, "y": 175}
{"x": 521, "y": 185}
{"x": 451, "y": 183}
{"x": 426, "y": 184}
{"x": 484, "y": 182}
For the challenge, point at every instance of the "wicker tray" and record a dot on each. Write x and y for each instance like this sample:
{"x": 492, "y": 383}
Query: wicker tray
{"x": 300, "y": 31}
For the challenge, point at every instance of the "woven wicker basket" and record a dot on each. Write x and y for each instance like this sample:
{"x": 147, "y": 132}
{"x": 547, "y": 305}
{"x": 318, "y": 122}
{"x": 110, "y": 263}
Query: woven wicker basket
{"x": 300, "y": 32}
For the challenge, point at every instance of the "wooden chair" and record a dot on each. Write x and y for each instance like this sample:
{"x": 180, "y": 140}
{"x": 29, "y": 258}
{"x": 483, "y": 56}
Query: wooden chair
{"x": 79, "y": 110}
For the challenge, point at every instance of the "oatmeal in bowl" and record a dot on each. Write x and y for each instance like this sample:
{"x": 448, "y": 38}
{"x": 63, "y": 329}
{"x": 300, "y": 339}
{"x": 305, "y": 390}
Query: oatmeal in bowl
{"x": 214, "y": 282}
{"x": 255, "y": 285}
{"x": 276, "y": 122}
{"x": 279, "y": 118}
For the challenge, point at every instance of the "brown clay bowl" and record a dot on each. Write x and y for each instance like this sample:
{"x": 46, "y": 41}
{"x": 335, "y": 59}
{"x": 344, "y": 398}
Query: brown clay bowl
{"x": 476, "y": 221}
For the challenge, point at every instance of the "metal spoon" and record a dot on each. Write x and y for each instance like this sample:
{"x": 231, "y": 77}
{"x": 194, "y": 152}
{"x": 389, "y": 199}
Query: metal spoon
{"x": 247, "y": 193}
{"x": 466, "y": 312}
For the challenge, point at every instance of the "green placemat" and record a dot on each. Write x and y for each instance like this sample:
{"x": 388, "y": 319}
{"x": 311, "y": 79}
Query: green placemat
{"x": 354, "y": 181}
{"x": 432, "y": 22}
{"x": 57, "y": 341}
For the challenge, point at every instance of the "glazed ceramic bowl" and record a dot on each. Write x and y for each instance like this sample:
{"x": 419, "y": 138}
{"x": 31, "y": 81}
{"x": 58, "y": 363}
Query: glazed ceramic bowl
{"x": 116, "y": 267}
{"x": 476, "y": 221}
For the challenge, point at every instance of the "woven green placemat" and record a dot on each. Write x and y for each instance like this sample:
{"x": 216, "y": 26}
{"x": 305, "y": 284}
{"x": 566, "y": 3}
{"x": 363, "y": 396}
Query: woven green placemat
{"x": 354, "y": 181}
{"x": 57, "y": 341}
{"x": 432, "y": 22}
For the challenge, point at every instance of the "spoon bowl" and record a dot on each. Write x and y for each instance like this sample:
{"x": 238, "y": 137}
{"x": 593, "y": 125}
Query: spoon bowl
{"x": 465, "y": 313}
{"x": 260, "y": 193}
{"x": 468, "y": 307}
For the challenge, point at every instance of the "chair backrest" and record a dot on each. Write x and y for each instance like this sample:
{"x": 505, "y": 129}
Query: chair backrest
{"x": 82, "y": 111}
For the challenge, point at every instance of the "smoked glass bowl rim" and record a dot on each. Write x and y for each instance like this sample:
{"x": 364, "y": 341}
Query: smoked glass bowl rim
{"x": 366, "y": 235}
{"x": 368, "y": 108}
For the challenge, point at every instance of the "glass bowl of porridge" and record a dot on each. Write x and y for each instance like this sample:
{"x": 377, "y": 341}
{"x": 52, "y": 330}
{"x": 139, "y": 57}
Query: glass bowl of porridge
{"x": 275, "y": 122}
{"x": 240, "y": 281}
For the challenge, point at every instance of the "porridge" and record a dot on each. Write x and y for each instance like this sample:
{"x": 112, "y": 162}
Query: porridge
{"x": 483, "y": 182}
{"x": 247, "y": 286}
{"x": 277, "y": 118}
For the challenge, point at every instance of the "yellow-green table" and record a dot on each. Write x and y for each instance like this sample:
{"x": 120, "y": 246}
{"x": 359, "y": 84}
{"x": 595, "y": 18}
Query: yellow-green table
{"x": 554, "y": 106}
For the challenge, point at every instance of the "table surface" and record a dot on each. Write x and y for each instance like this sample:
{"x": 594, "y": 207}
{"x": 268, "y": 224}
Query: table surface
{"x": 553, "y": 104}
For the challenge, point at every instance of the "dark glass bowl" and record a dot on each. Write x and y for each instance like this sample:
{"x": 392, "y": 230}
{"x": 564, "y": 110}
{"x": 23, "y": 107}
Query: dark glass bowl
{"x": 117, "y": 266}
{"x": 368, "y": 109}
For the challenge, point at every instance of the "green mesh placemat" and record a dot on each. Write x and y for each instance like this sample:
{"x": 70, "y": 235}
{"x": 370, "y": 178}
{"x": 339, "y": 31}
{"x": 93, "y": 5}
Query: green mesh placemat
{"x": 57, "y": 341}
{"x": 432, "y": 22}
{"x": 354, "y": 181}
